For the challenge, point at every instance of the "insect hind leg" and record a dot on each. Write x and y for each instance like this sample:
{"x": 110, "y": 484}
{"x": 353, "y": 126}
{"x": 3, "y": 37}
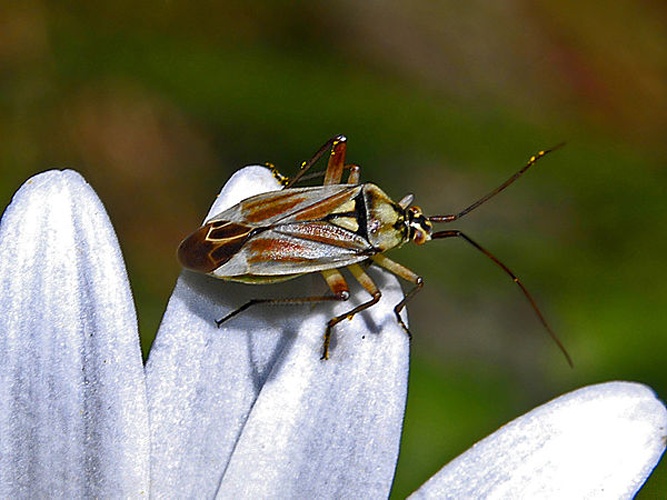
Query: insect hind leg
{"x": 245, "y": 306}
{"x": 353, "y": 177}
{"x": 282, "y": 302}
{"x": 336, "y": 283}
{"x": 338, "y": 145}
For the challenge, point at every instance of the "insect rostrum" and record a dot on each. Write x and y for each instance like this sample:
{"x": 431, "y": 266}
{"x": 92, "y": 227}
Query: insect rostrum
{"x": 283, "y": 234}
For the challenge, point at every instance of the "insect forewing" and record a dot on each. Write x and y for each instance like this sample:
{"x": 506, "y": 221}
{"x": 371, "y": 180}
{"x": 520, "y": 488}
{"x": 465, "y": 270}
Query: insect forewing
{"x": 278, "y": 235}
{"x": 307, "y": 203}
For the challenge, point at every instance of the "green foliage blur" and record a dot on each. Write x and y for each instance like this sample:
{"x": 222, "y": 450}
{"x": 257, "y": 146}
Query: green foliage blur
{"x": 157, "y": 103}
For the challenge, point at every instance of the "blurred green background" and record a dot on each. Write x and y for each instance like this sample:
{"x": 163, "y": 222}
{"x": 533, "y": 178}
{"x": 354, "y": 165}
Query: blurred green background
{"x": 157, "y": 103}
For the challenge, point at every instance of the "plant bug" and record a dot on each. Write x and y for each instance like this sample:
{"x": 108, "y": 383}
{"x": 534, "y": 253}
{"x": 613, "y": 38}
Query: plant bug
{"x": 279, "y": 235}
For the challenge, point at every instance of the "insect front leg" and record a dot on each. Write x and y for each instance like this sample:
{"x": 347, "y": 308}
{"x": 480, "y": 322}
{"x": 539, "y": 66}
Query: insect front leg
{"x": 406, "y": 274}
{"x": 365, "y": 281}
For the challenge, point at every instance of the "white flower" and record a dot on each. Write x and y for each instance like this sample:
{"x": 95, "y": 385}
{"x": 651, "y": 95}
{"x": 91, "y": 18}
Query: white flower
{"x": 248, "y": 410}
{"x": 73, "y": 411}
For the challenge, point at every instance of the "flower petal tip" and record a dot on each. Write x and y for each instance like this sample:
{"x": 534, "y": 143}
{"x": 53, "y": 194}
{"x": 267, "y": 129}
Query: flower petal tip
{"x": 601, "y": 440}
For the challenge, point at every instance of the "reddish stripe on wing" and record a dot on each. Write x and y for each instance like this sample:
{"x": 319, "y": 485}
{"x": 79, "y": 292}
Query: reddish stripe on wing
{"x": 277, "y": 250}
{"x": 322, "y": 208}
{"x": 264, "y": 208}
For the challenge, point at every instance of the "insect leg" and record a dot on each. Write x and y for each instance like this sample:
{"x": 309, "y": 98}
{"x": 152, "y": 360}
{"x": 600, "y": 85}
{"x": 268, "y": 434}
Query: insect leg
{"x": 406, "y": 274}
{"x": 305, "y": 166}
{"x": 355, "y": 174}
{"x": 340, "y": 291}
{"x": 339, "y": 287}
{"x": 368, "y": 284}
{"x": 353, "y": 178}
{"x": 336, "y": 162}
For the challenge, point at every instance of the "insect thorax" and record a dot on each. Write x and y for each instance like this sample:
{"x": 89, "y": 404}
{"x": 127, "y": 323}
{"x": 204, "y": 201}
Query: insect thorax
{"x": 385, "y": 220}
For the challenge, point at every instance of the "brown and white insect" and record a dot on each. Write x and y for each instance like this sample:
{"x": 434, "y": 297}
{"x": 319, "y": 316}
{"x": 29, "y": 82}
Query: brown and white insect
{"x": 279, "y": 235}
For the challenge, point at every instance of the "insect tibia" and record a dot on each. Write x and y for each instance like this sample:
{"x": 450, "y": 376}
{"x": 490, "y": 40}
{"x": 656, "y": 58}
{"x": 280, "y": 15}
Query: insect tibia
{"x": 376, "y": 294}
{"x": 337, "y": 142}
{"x": 219, "y": 322}
{"x": 532, "y": 161}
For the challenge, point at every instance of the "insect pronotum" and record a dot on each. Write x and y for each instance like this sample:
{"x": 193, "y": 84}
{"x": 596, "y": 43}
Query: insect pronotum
{"x": 279, "y": 235}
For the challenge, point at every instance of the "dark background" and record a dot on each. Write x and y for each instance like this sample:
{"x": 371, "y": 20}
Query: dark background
{"x": 157, "y": 103}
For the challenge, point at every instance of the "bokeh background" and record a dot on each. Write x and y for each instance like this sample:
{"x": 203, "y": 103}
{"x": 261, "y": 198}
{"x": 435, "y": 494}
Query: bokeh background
{"x": 157, "y": 103}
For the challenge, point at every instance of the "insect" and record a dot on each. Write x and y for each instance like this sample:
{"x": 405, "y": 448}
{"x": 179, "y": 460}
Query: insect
{"x": 279, "y": 235}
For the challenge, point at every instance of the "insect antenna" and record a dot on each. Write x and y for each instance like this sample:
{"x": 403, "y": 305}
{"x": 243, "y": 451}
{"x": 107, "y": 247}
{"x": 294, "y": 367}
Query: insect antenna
{"x": 532, "y": 161}
{"x": 455, "y": 233}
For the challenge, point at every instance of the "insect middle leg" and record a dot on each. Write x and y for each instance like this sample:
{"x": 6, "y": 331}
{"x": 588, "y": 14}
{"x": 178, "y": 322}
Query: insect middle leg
{"x": 335, "y": 279}
{"x": 406, "y": 274}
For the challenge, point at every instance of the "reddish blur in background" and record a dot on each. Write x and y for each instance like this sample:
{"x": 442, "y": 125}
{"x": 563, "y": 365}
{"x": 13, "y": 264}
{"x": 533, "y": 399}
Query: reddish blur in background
{"x": 156, "y": 103}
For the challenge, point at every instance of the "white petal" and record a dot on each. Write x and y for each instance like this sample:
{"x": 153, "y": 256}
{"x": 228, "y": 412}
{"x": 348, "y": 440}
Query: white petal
{"x": 73, "y": 413}
{"x": 601, "y": 441}
{"x": 253, "y": 401}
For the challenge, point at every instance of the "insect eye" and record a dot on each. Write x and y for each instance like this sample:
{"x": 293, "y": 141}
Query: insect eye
{"x": 419, "y": 234}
